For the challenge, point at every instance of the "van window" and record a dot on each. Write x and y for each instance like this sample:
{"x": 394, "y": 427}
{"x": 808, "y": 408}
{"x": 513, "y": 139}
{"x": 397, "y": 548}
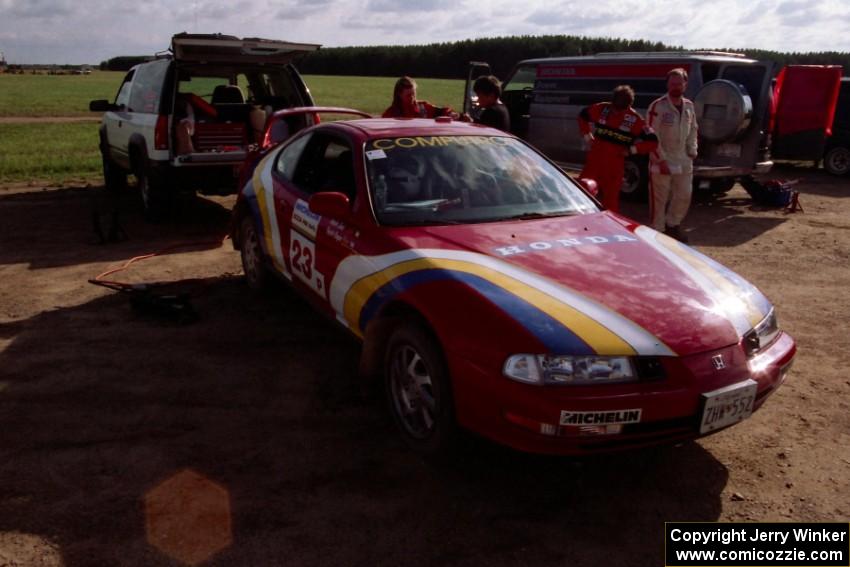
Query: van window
{"x": 123, "y": 97}
{"x": 709, "y": 71}
{"x": 523, "y": 78}
{"x": 202, "y": 86}
{"x": 751, "y": 76}
{"x": 147, "y": 87}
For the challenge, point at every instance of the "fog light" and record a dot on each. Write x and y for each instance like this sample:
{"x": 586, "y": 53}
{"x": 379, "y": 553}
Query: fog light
{"x": 600, "y": 429}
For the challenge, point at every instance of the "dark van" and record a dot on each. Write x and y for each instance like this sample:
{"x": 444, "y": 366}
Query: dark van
{"x": 733, "y": 97}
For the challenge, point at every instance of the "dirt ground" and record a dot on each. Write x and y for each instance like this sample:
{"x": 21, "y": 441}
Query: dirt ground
{"x": 243, "y": 439}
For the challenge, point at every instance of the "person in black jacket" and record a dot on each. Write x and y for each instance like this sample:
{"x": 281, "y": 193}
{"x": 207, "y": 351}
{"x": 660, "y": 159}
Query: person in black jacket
{"x": 494, "y": 113}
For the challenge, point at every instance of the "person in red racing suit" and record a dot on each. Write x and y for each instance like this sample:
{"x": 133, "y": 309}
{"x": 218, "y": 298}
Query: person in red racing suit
{"x": 405, "y": 104}
{"x": 618, "y": 131}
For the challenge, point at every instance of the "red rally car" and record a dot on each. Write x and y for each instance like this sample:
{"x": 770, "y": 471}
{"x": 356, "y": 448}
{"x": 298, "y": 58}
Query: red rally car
{"x": 492, "y": 292}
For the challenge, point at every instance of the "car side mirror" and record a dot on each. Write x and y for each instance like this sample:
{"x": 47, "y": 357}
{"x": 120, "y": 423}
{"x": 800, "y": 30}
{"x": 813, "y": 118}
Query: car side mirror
{"x": 102, "y": 106}
{"x": 589, "y": 185}
{"x": 331, "y": 204}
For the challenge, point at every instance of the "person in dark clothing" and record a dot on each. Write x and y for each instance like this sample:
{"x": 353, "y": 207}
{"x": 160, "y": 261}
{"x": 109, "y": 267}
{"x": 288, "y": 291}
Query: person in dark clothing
{"x": 495, "y": 113}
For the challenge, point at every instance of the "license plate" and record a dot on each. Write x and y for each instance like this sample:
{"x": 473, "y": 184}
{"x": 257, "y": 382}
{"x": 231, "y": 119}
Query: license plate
{"x": 729, "y": 150}
{"x": 727, "y": 405}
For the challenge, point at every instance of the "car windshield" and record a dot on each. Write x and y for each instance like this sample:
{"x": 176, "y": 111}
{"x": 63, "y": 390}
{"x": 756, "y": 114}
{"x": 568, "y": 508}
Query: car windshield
{"x": 465, "y": 179}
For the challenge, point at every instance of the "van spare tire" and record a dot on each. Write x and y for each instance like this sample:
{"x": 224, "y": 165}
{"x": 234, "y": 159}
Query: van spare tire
{"x": 724, "y": 110}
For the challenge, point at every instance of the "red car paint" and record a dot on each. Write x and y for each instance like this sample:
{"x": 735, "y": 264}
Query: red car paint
{"x": 639, "y": 282}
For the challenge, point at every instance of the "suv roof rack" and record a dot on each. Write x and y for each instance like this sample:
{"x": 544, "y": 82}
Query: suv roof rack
{"x": 667, "y": 53}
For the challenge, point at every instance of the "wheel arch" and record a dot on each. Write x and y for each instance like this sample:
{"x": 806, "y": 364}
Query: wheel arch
{"x": 378, "y": 332}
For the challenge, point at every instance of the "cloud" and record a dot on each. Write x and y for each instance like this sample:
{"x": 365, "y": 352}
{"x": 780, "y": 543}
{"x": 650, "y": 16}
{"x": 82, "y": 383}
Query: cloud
{"x": 757, "y": 13}
{"x": 37, "y": 9}
{"x": 406, "y": 6}
{"x": 300, "y": 9}
{"x": 69, "y": 31}
{"x": 574, "y": 22}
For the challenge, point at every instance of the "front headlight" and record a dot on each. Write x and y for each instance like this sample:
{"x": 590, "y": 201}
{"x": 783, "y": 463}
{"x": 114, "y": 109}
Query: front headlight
{"x": 762, "y": 334}
{"x": 545, "y": 369}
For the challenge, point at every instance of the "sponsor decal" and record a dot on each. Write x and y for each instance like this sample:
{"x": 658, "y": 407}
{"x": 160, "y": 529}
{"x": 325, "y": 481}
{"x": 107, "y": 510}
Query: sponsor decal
{"x": 667, "y": 118}
{"x": 304, "y": 220}
{"x": 386, "y": 144}
{"x": 616, "y": 417}
{"x": 609, "y": 134}
{"x": 376, "y": 154}
{"x": 544, "y": 245}
{"x": 302, "y": 258}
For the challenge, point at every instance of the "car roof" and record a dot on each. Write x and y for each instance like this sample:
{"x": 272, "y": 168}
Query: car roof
{"x": 413, "y": 127}
{"x": 644, "y": 56}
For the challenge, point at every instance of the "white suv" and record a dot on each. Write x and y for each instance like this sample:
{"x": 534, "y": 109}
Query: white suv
{"x": 185, "y": 121}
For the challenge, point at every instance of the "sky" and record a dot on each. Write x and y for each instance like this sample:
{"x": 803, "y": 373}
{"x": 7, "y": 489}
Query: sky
{"x": 90, "y": 31}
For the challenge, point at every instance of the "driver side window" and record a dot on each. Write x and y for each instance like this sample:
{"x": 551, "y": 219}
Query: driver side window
{"x": 326, "y": 165}
{"x": 288, "y": 158}
{"x": 123, "y": 96}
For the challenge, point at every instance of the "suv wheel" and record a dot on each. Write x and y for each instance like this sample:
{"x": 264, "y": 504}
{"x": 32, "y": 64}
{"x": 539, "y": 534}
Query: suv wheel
{"x": 152, "y": 192}
{"x": 114, "y": 178}
{"x": 635, "y": 179}
{"x": 837, "y": 160}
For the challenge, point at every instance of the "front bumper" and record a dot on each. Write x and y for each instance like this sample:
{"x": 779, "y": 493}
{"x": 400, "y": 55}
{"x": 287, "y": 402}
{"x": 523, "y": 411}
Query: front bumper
{"x": 527, "y": 418}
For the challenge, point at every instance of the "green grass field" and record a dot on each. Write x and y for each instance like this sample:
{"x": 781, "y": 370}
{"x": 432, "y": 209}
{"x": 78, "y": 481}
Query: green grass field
{"x": 55, "y": 95}
{"x": 50, "y": 152}
{"x": 63, "y": 152}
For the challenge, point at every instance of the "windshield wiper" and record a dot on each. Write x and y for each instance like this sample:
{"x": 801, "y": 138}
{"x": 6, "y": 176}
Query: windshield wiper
{"x": 539, "y": 215}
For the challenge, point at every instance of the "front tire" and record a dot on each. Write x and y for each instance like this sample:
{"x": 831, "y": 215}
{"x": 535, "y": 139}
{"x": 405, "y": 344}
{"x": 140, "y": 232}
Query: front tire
{"x": 114, "y": 178}
{"x": 418, "y": 390}
{"x": 837, "y": 160}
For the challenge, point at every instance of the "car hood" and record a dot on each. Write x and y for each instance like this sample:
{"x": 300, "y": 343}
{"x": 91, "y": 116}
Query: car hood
{"x": 608, "y": 285}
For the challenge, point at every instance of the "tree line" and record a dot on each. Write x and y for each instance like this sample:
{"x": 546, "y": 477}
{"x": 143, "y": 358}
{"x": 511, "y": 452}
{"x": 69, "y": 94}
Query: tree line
{"x": 449, "y": 60}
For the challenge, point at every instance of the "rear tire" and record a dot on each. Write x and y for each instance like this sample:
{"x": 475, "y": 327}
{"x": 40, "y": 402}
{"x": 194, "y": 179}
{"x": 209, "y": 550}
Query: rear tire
{"x": 837, "y": 160}
{"x": 418, "y": 389}
{"x": 152, "y": 191}
{"x": 253, "y": 262}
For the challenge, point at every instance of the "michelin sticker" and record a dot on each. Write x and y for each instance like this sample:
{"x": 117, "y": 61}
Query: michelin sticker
{"x": 618, "y": 417}
{"x": 303, "y": 220}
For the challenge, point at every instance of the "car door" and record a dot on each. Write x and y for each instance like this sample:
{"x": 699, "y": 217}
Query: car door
{"x": 313, "y": 245}
{"x": 116, "y": 135}
{"x": 805, "y": 100}
{"x": 470, "y": 99}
